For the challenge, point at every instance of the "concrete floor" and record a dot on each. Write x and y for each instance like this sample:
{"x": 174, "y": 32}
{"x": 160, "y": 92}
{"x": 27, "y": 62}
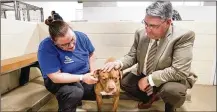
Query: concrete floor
{"x": 203, "y": 99}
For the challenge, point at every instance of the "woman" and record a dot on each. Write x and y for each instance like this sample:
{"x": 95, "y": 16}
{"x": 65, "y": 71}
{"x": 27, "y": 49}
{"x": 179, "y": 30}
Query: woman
{"x": 48, "y": 20}
{"x": 66, "y": 58}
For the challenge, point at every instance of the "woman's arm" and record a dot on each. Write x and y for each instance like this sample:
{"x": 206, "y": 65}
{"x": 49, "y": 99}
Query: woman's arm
{"x": 59, "y": 77}
{"x": 91, "y": 61}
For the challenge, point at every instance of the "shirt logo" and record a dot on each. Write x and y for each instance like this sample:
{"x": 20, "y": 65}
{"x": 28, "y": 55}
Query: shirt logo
{"x": 68, "y": 60}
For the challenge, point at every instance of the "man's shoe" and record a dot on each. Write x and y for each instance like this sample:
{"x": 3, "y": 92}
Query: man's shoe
{"x": 142, "y": 105}
{"x": 169, "y": 108}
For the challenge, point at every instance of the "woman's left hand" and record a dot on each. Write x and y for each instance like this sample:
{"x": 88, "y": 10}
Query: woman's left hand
{"x": 89, "y": 79}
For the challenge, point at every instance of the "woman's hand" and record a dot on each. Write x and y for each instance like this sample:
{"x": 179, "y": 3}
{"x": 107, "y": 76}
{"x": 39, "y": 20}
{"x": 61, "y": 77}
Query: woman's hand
{"x": 89, "y": 79}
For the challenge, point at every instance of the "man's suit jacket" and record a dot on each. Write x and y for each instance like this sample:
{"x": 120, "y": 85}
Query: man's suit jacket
{"x": 172, "y": 60}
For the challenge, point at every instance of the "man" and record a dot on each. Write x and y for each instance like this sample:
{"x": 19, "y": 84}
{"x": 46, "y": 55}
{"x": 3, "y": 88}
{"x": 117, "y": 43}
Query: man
{"x": 163, "y": 54}
{"x": 56, "y": 16}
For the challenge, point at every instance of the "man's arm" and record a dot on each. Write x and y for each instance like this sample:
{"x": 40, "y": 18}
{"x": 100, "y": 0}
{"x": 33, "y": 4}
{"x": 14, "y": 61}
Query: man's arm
{"x": 181, "y": 62}
{"x": 130, "y": 59}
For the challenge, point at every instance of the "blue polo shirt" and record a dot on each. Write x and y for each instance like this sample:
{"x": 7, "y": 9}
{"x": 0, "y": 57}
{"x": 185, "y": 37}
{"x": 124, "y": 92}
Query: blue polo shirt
{"x": 51, "y": 58}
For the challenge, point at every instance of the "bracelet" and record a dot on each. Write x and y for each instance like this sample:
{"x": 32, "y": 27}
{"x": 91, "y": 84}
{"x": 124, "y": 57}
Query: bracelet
{"x": 81, "y": 77}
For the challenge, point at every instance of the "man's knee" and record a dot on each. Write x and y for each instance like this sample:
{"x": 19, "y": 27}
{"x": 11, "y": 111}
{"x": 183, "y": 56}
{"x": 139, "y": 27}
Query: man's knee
{"x": 124, "y": 84}
{"x": 173, "y": 93}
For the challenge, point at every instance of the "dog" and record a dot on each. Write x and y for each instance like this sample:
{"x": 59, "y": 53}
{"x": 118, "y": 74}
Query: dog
{"x": 108, "y": 84}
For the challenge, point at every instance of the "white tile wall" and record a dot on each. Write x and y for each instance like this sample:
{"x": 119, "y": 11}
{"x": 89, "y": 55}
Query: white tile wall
{"x": 112, "y": 39}
{"x": 43, "y": 31}
{"x": 205, "y": 41}
{"x": 198, "y": 27}
{"x": 204, "y": 79}
{"x": 203, "y": 54}
{"x": 106, "y": 27}
{"x": 18, "y": 38}
{"x": 108, "y": 40}
{"x": 202, "y": 67}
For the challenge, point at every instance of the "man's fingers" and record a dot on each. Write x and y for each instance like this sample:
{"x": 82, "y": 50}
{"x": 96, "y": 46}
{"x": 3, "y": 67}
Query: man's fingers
{"x": 106, "y": 67}
{"x": 116, "y": 67}
{"x": 110, "y": 67}
{"x": 148, "y": 87}
{"x": 149, "y": 90}
{"x": 149, "y": 93}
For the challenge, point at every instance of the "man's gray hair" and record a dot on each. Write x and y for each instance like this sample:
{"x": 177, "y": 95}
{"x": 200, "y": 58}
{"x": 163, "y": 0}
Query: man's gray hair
{"x": 162, "y": 9}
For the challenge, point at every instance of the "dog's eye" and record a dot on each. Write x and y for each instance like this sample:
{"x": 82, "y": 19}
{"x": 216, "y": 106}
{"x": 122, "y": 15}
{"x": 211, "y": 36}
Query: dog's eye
{"x": 103, "y": 79}
{"x": 115, "y": 79}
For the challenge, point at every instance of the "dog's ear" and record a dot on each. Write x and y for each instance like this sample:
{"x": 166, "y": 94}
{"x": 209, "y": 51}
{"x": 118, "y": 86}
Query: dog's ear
{"x": 96, "y": 73}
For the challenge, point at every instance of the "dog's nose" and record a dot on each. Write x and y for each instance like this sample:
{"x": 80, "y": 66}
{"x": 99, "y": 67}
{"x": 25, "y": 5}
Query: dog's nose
{"x": 111, "y": 88}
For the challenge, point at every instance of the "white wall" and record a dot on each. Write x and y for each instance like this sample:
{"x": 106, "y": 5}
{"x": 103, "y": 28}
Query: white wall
{"x": 66, "y": 9}
{"x": 197, "y": 13}
{"x": 18, "y": 38}
{"x": 110, "y": 39}
{"x": 71, "y": 10}
{"x": 115, "y": 39}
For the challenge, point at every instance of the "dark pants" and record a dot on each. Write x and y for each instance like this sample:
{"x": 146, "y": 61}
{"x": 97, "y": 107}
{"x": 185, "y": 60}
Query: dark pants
{"x": 24, "y": 75}
{"x": 173, "y": 93}
{"x": 69, "y": 95}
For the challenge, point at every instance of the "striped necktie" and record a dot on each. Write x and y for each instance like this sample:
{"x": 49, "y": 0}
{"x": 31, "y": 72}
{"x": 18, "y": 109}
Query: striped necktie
{"x": 150, "y": 59}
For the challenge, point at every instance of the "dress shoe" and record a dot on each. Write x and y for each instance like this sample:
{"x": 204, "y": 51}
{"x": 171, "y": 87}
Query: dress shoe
{"x": 142, "y": 105}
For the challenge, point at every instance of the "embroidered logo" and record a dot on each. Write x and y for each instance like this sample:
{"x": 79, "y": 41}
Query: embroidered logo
{"x": 68, "y": 60}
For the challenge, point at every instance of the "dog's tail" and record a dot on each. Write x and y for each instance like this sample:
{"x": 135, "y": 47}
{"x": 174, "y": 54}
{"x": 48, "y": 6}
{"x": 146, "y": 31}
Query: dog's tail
{"x": 110, "y": 59}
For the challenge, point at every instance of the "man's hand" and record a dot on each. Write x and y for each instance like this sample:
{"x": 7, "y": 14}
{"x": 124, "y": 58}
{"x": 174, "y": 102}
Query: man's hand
{"x": 110, "y": 65}
{"x": 89, "y": 79}
{"x": 145, "y": 86}
{"x": 149, "y": 90}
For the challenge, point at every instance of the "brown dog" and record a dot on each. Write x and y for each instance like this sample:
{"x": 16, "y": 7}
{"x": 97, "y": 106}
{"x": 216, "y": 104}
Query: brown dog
{"x": 108, "y": 84}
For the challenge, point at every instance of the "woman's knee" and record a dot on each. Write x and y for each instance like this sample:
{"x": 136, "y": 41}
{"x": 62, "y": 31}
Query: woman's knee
{"x": 70, "y": 94}
{"x": 77, "y": 94}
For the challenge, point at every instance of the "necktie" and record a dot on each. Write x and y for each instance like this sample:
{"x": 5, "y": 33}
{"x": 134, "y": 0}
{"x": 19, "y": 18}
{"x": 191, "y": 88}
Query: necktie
{"x": 150, "y": 59}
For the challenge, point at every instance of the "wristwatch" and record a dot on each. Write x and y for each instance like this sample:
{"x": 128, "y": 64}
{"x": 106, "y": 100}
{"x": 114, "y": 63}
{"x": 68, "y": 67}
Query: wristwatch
{"x": 81, "y": 77}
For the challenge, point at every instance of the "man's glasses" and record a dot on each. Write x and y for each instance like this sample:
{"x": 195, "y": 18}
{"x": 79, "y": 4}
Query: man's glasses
{"x": 151, "y": 26}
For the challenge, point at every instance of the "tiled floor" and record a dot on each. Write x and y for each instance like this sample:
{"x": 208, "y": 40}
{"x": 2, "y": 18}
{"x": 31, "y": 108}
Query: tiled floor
{"x": 203, "y": 99}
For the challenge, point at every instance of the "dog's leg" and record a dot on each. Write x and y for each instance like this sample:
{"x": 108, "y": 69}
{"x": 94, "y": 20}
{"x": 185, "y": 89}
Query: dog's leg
{"x": 99, "y": 102}
{"x": 115, "y": 103}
